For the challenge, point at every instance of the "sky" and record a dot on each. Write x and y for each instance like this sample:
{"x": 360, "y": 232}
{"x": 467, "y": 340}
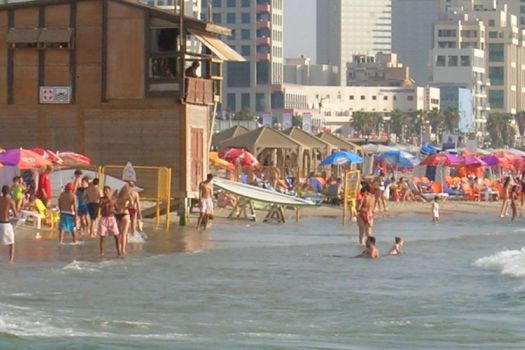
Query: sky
{"x": 299, "y": 28}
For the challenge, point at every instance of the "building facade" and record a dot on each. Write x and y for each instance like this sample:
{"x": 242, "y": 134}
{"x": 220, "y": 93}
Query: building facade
{"x": 383, "y": 69}
{"x": 302, "y": 72}
{"x": 258, "y": 36}
{"x": 349, "y": 27}
{"x": 412, "y": 31}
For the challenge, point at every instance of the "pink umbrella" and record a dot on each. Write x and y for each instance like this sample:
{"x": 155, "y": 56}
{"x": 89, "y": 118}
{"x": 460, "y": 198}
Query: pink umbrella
{"x": 240, "y": 157}
{"x": 471, "y": 161}
{"x": 23, "y": 159}
{"x": 72, "y": 159}
{"x": 49, "y": 155}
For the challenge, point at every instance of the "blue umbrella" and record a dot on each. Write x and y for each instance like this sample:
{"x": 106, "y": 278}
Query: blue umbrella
{"x": 400, "y": 159}
{"x": 341, "y": 158}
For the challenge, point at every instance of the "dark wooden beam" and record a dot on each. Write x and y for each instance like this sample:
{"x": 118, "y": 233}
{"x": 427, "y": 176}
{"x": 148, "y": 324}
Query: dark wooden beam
{"x": 104, "y": 61}
{"x": 147, "y": 49}
{"x": 73, "y": 51}
{"x": 10, "y": 70}
{"x": 41, "y": 52}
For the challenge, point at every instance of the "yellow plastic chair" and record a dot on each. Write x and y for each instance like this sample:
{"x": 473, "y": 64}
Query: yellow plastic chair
{"x": 51, "y": 217}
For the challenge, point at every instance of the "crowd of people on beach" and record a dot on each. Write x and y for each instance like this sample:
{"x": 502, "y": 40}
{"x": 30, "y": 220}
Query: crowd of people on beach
{"x": 84, "y": 209}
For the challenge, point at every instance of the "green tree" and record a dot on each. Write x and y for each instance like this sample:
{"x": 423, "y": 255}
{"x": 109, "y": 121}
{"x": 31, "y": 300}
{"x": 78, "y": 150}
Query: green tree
{"x": 436, "y": 118}
{"x": 244, "y": 114}
{"x": 398, "y": 121}
{"x": 365, "y": 122}
{"x": 520, "y": 122}
{"x": 452, "y": 119}
{"x": 500, "y": 129}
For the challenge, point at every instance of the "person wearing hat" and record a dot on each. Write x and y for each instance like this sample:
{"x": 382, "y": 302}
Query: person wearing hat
{"x": 66, "y": 205}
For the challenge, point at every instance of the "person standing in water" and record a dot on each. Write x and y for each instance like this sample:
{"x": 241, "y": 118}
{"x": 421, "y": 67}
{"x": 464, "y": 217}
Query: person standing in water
{"x": 365, "y": 213}
{"x": 93, "y": 198}
{"x": 514, "y": 201}
{"x": 107, "y": 226}
{"x": 66, "y": 204}
{"x": 396, "y": 249}
{"x": 7, "y": 234}
{"x": 371, "y": 251}
{"x": 435, "y": 210}
{"x": 206, "y": 202}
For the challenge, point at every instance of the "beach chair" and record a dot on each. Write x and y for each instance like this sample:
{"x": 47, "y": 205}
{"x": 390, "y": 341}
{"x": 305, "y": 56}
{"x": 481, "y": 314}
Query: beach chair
{"x": 35, "y": 216}
{"x": 425, "y": 180}
{"x": 51, "y": 217}
{"x": 470, "y": 193}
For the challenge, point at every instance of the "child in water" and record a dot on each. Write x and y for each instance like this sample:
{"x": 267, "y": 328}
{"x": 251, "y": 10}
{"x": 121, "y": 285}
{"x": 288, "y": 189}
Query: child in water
{"x": 435, "y": 210}
{"x": 396, "y": 249}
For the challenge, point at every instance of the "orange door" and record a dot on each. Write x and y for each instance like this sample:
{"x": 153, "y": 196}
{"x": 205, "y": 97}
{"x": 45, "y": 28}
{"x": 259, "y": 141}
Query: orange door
{"x": 197, "y": 157}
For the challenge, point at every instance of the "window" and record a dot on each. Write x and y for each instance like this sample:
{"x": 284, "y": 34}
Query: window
{"x": 245, "y": 34}
{"x": 362, "y": 97}
{"x": 492, "y": 23}
{"x": 163, "y": 61}
{"x": 217, "y": 3}
{"x": 465, "y": 61}
{"x": 497, "y": 75}
{"x": 351, "y": 97}
{"x": 385, "y": 98}
{"x": 245, "y": 50}
{"x": 410, "y": 98}
{"x": 493, "y": 35}
{"x": 496, "y": 53}
{"x": 277, "y": 100}
{"x": 230, "y": 102}
{"x": 231, "y": 3}
{"x": 440, "y": 61}
{"x": 452, "y": 61}
{"x": 245, "y": 3}
{"x": 374, "y": 98}
{"x": 496, "y": 99}
{"x": 217, "y": 18}
{"x": 245, "y": 18}
{"x": 238, "y": 74}
{"x": 245, "y": 100}
{"x": 263, "y": 73}
{"x": 260, "y": 102}
{"x": 230, "y": 18}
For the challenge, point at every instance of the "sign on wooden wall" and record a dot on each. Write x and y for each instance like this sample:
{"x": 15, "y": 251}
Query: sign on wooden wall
{"x": 55, "y": 94}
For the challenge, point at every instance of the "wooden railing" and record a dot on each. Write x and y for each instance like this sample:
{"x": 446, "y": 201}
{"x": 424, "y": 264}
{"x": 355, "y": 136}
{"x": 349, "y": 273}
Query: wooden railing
{"x": 199, "y": 91}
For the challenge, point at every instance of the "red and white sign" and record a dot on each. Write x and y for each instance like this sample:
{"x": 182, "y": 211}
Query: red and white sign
{"x": 55, "y": 94}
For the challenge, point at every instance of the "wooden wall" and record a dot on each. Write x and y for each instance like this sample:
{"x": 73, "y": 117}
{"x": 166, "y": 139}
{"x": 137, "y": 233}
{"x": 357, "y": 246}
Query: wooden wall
{"x": 25, "y": 61}
{"x": 3, "y": 57}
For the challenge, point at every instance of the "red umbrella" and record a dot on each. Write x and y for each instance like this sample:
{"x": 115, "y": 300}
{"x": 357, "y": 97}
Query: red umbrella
{"x": 72, "y": 159}
{"x": 23, "y": 159}
{"x": 471, "y": 161}
{"x": 442, "y": 159}
{"x": 240, "y": 157}
{"x": 49, "y": 155}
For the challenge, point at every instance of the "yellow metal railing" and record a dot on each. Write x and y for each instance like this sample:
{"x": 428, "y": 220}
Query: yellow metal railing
{"x": 351, "y": 187}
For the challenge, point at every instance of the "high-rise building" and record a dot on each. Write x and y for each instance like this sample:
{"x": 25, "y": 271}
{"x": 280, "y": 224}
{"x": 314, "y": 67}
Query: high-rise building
{"x": 383, "y": 69}
{"x": 258, "y": 36}
{"x": 349, "y": 27}
{"x": 412, "y": 34}
{"x": 192, "y": 7}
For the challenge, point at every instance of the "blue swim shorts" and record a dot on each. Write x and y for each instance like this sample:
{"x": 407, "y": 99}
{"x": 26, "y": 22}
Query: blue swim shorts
{"x": 82, "y": 210}
{"x": 67, "y": 223}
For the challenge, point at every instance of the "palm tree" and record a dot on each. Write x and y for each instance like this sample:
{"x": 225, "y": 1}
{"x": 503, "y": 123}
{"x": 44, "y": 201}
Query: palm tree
{"x": 520, "y": 121}
{"x": 437, "y": 120}
{"x": 451, "y": 119}
{"x": 501, "y": 132}
{"x": 398, "y": 121}
{"x": 365, "y": 122}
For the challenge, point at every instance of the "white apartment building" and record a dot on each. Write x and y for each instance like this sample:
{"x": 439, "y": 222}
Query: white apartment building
{"x": 412, "y": 32}
{"x": 458, "y": 60}
{"x": 503, "y": 45}
{"x": 258, "y": 36}
{"x": 302, "y": 72}
{"x": 381, "y": 69}
{"x": 349, "y": 27}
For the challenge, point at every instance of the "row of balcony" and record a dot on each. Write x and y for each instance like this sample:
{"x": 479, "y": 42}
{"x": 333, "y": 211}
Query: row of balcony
{"x": 267, "y": 8}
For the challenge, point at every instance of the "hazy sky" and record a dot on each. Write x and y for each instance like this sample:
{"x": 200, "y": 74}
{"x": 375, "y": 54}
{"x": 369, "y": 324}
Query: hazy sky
{"x": 299, "y": 28}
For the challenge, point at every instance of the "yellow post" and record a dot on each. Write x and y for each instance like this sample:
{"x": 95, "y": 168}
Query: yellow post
{"x": 345, "y": 196}
{"x": 297, "y": 214}
{"x": 168, "y": 198}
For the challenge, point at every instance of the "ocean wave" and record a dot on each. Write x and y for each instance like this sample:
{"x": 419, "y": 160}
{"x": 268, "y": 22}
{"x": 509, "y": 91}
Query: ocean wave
{"x": 509, "y": 262}
{"x": 82, "y": 266}
{"x": 137, "y": 237}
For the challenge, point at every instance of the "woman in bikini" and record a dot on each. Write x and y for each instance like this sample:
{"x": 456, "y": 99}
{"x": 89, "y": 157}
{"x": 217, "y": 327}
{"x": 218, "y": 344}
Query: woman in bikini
{"x": 123, "y": 217}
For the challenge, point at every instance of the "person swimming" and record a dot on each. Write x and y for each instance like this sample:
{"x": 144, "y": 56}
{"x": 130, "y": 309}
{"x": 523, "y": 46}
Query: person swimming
{"x": 396, "y": 249}
{"x": 371, "y": 251}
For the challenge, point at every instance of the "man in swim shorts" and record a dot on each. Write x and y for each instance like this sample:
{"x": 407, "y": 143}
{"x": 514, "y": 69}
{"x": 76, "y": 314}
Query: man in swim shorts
{"x": 7, "y": 234}
{"x": 206, "y": 202}
{"x": 66, "y": 205}
{"x": 107, "y": 225}
{"x": 93, "y": 198}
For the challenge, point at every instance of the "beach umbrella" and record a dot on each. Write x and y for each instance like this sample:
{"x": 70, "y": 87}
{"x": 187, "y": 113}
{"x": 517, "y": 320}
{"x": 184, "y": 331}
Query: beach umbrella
{"x": 23, "y": 159}
{"x": 240, "y": 157}
{"x": 429, "y": 149}
{"x": 490, "y": 160}
{"x": 399, "y": 159}
{"x": 220, "y": 163}
{"x": 441, "y": 159}
{"x": 49, "y": 155}
{"x": 471, "y": 161}
{"x": 341, "y": 158}
{"x": 72, "y": 159}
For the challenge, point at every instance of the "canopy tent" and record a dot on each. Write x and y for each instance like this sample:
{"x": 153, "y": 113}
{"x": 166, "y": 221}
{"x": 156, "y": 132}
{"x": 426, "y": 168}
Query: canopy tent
{"x": 268, "y": 144}
{"x": 377, "y": 148}
{"x": 340, "y": 144}
{"x": 228, "y": 134}
{"x": 319, "y": 149}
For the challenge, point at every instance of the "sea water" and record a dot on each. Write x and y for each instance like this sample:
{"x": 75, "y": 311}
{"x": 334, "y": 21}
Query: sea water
{"x": 459, "y": 285}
